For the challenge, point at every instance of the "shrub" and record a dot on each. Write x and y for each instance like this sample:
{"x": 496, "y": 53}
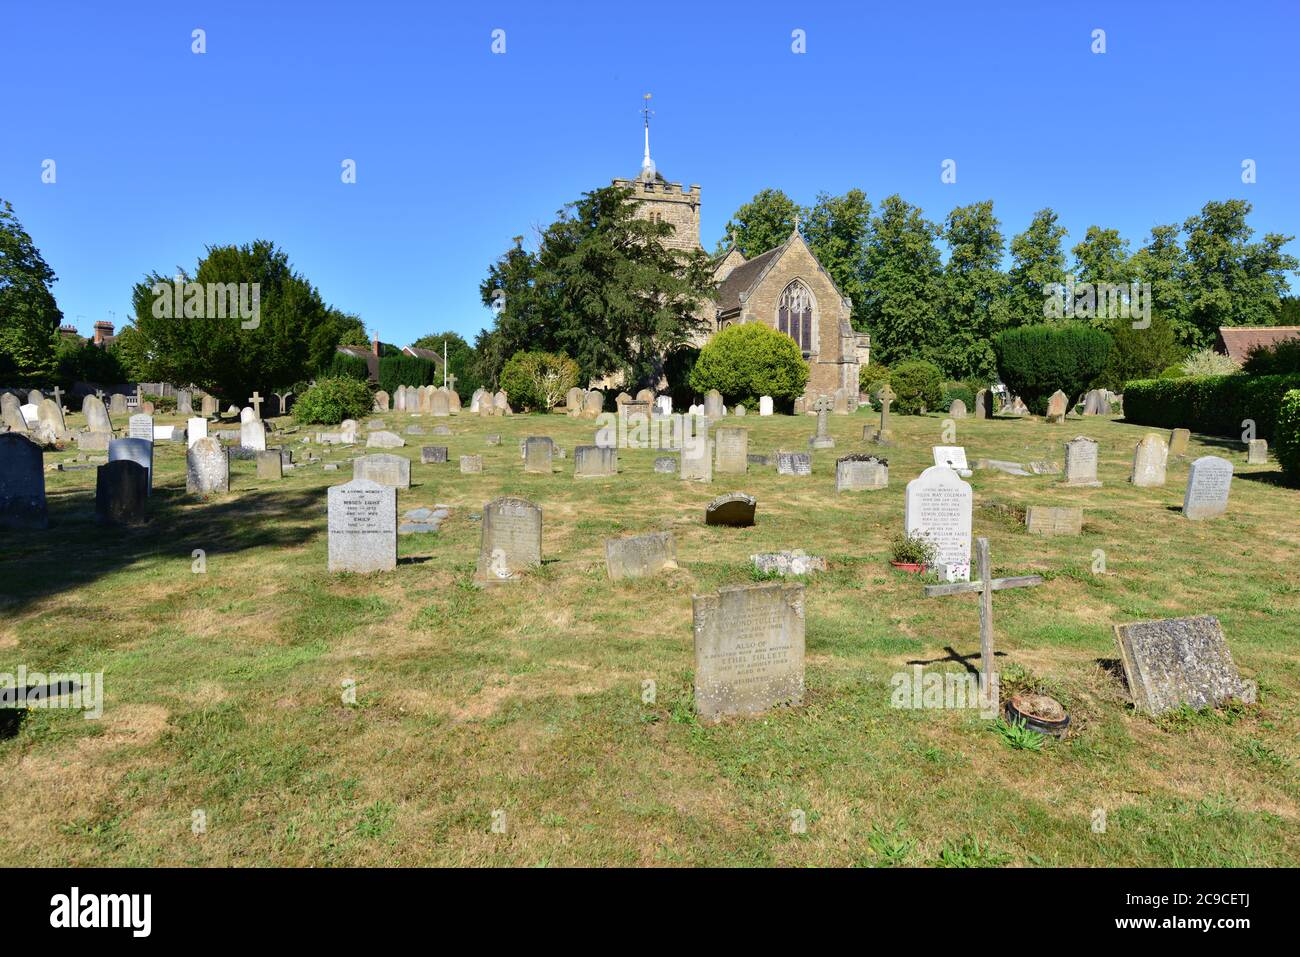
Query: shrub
{"x": 952, "y": 391}
{"x": 748, "y": 361}
{"x": 1286, "y": 435}
{"x": 1035, "y": 361}
{"x": 917, "y": 384}
{"x": 1281, "y": 358}
{"x": 538, "y": 380}
{"x": 330, "y": 401}
{"x": 344, "y": 366}
{"x": 1172, "y": 372}
{"x": 1216, "y": 405}
{"x": 1208, "y": 362}
{"x": 1139, "y": 353}
{"x": 401, "y": 369}
{"x": 161, "y": 403}
{"x": 872, "y": 378}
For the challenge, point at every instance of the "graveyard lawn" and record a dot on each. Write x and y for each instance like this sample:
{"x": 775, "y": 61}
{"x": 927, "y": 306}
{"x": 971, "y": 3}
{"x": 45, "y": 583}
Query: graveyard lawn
{"x": 224, "y": 690}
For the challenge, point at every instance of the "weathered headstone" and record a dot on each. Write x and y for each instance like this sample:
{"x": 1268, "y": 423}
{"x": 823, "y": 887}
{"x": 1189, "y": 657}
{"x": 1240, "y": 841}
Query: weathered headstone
{"x": 383, "y": 469}
{"x": 471, "y": 463}
{"x": 381, "y": 401}
{"x": 207, "y": 467}
{"x": 362, "y": 527}
{"x": 859, "y": 473}
{"x": 697, "y": 457}
{"x": 937, "y": 506}
{"x": 139, "y": 451}
{"x": 1057, "y": 406}
{"x": 822, "y": 439}
{"x": 22, "y": 483}
{"x": 1149, "y": 458}
{"x": 384, "y": 440}
{"x": 511, "y": 542}
{"x": 501, "y": 402}
{"x": 252, "y": 435}
{"x": 639, "y": 556}
{"x": 957, "y": 410}
{"x": 12, "y": 413}
{"x": 793, "y": 463}
{"x": 666, "y": 464}
{"x": 1257, "y": 452}
{"x": 984, "y": 404}
{"x": 1042, "y": 520}
{"x": 735, "y": 509}
{"x": 209, "y": 407}
{"x": 117, "y": 404}
{"x": 97, "y": 419}
{"x": 1178, "y": 441}
{"x": 440, "y": 403}
{"x": 593, "y": 461}
{"x": 953, "y": 456}
{"x": 433, "y": 454}
{"x": 731, "y": 446}
{"x": 713, "y": 408}
{"x": 1209, "y": 480}
{"x": 270, "y": 465}
{"x": 184, "y": 402}
{"x": 1081, "y": 462}
{"x": 593, "y": 403}
{"x": 1096, "y": 402}
{"x": 121, "y": 489}
{"x": 1179, "y": 661}
{"x": 140, "y": 426}
{"x": 573, "y": 401}
{"x": 538, "y": 452}
{"x": 749, "y": 649}
{"x": 796, "y": 562}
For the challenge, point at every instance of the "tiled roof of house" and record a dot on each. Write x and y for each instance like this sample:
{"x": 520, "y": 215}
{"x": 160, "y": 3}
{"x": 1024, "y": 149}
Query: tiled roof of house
{"x": 743, "y": 277}
{"x": 1239, "y": 340}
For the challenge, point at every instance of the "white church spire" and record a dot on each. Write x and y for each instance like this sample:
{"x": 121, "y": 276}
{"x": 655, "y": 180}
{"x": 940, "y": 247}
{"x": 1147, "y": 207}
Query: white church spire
{"x": 647, "y": 164}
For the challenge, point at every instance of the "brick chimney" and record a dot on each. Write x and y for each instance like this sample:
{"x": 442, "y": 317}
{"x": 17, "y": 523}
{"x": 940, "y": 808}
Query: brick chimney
{"x": 103, "y": 330}
{"x": 374, "y": 346}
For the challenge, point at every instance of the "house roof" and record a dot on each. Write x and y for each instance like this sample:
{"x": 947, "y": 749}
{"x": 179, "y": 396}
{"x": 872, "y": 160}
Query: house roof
{"x": 744, "y": 277}
{"x": 361, "y": 352}
{"x": 1239, "y": 340}
{"x": 421, "y": 353}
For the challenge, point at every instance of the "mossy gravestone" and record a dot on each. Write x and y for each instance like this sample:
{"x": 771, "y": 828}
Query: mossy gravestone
{"x": 1179, "y": 661}
{"x": 362, "y": 527}
{"x": 749, "y": 649}
{"x": 207, "y": 468}
{"x": 638, "y": 556}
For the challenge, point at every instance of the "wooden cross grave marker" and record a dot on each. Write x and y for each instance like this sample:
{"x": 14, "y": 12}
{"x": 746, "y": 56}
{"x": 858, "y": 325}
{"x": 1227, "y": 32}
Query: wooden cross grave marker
{"x": 58, "y": 397}
{"x": 986, "y": 586}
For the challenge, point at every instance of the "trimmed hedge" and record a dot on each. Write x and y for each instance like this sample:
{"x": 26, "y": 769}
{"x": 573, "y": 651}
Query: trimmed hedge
{"x": 1286, "y": 443}
{"x": 1035, "y": 361}
{"x": 1215, "y": 405}
{"x": 750, "y": 360}
{"x": 344, "y": 366}
{"x": 402, "y": 369}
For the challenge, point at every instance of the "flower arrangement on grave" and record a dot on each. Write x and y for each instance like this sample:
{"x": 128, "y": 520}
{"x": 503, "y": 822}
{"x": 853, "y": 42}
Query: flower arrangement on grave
{"x": 913, "y": 552}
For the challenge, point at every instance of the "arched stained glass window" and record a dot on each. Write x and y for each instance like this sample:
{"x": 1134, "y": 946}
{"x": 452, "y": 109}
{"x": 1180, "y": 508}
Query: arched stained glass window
{"x": 794, "y": 315}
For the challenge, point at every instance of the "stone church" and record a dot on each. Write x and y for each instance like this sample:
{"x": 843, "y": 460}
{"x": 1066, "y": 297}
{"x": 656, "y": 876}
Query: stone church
{"x": 785, "y": 287}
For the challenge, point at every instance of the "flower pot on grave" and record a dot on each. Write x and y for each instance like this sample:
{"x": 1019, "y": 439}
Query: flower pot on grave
{"x": 1038, "y": 712}
{"x": 915, "y": 568}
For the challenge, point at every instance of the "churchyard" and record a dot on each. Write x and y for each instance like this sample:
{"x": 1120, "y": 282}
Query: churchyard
{"x": 417, "y": 716}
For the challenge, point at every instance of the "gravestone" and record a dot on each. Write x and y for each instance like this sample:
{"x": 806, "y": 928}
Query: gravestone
{"x": 362, "y": 527}
{"x": 735, "y": 509}
{"x": 209, "y": 407}
{"x": 246, "y": 414}
{"x": 666, "y": 464}
{"x": 93, "y": 441}
{"x": 937, "y": 506}
{"x": 883, "y": 434}
{"x": 1178, "y": 441}
{"x": 1209, "y": 479}
{"x": 139, "y": 451}
{"x": 420, "y": 520}
{"x": 953, "y": 456}
{"x": 593, "y": 461}
{"x": 1257, "y": 452}
{"x": 184, "y": 402}
{"x": 573, "y": 401}
{"x": 207, "y": 467}
{"x": 453, "y": 399}
{"x": 12, "y": 413}
{"x": 382, "y": 400}
{"x": 593, "y": 404}
{"x": 538, "y": 452}
{"x": 861, "y": 473}
{"x": 639, "y": 556}
{"x": 749, "y": 649}
{"x": 664, "y": 405}
{"x": 384, "y": 440}
{"x": 270, "y": 465}
{"x": 713, "y": 408}
{"x": 1096, "y": 402}
{"x": 957, "y": 410}
{"x": 493, "y": 439}
{"x": 195, "y": 429}
{"x": 393, "y": 471}
{"x": 984, "y": 404}
{"x": 697, "y": 457}
{"x": 1081, "y": 462}
{"x": 252, "y": 435}
{"x": 410, "y": 429}
{"x": 1179, "y": 661}
{"x": 22, "y": 483}
{"x": 793, "y": 463}
{"x": 97, "y": 420}
{"x": 35, "y": 397}
{"x": 121, "y": 489}
{"x": 471, "y": 463}
{"x": 1057, "y": 406}
{"x": 50, "y": 413}
{"x": 646, "y": 396}
{"x": 440, "y": 404}
{"x": 1149, "y": 458}
{"x": 511, "y": 542}
{"x": 796, "y": 562}
{"x": 1041, "y": 520}
{"x": 117, "y": 403}
{"x": 840, "y": 401}
{"x": 822, "y": 439}
{"x": 433, "y": 455}
{"x": 140, "y": 426}
{"x": 501, "y": 403}
{"x": 31, "y": 414}
{"x": 765, "y": 406}
{"x": 732, "y": 450}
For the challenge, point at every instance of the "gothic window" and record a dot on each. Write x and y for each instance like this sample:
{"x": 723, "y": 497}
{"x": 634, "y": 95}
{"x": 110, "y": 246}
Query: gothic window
{"x": 794, "y": 315}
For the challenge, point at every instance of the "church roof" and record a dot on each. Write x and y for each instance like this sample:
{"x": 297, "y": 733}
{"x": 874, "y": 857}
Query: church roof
{"x": 744, "y": 277}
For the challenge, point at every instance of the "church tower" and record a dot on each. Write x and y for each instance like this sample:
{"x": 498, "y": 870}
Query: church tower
{"x": 661, "y": 201}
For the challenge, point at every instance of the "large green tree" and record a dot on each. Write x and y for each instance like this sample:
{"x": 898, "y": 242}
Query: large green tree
{"x": 838, "y": 230}
{"x": 29, "y": 316}
{"x": 763, "y": 223}
{"x": 1161, "y": 265}
{"x": 602, "y": 288}
{"x": 291, "y": 334}
{"x": 974, "y": 305}
{"x": 902, "y": 276}
{"x": 1036, "y": 263}
{"x": 1231, "y": 281}
{"x": 461, "y": 360}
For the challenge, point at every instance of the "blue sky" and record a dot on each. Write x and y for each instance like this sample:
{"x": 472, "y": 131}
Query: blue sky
{"x": 160, "y": 151}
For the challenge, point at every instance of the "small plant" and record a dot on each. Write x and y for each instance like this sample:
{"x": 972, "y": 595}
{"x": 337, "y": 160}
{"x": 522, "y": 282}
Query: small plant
{"x": 1018, "y": 737}
{"x": 970, "y": 853}
{"x": 892, "y": 848}
{"x": 913, "y": 550}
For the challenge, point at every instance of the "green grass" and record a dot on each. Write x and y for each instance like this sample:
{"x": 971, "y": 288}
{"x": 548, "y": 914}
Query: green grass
{"x": 224, "y": 691}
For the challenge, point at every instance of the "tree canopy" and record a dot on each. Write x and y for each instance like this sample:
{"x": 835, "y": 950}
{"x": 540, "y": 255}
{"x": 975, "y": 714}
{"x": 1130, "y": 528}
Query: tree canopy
{"x": 29, "y": 316}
